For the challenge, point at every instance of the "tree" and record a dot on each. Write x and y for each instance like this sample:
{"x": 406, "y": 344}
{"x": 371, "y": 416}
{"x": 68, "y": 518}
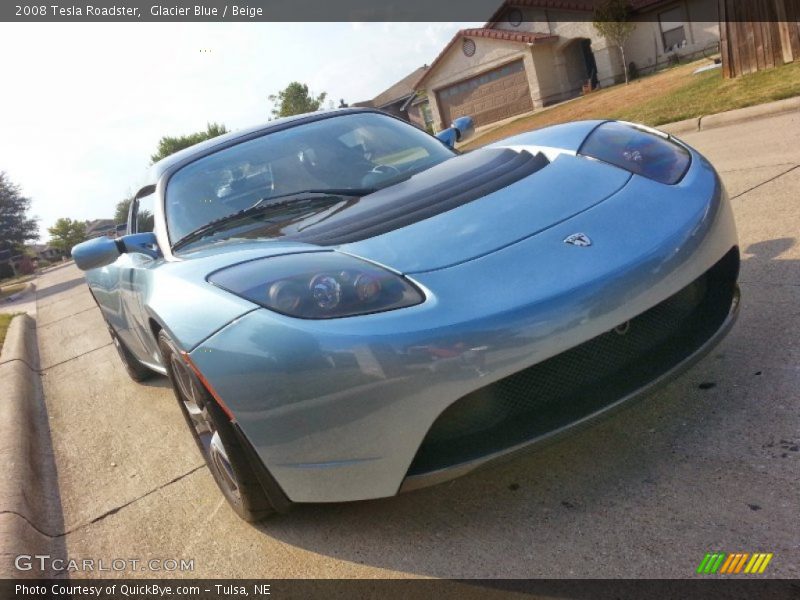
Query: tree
{"x": 66, "y": 233}
{"x": 295, "y": 100}
{"x": 170, "y": 145}
{"x": 611, "y": 21}
{"x": 121, "y": 211}
{"x": 16, "y": 227}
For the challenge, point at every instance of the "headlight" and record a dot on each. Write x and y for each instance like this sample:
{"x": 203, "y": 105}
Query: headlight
{"x": 318, "y": 285}
{"x": 641, "y": 152}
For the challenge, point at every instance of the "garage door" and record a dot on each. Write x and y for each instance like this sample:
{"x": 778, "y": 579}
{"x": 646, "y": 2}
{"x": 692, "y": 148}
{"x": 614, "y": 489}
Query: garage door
{"x": 488, "y": 97}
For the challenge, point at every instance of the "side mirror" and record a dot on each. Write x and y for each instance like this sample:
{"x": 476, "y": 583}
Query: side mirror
{"x": 464, "y": 127}
{"x": 103, "y": 251}
{"x": 448, "y": 137}
{"x": 461, "y": 129}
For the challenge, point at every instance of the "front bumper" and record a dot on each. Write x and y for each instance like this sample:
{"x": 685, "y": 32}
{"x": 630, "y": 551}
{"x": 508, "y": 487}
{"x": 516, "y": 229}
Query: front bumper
{"x": 338, "y": 410}
{"x": 498, "y": 422}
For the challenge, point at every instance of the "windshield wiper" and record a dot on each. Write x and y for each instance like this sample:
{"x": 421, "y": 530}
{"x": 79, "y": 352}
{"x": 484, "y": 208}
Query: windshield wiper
{"x": 285, "y": 199}
{"x": 303, "y": 198}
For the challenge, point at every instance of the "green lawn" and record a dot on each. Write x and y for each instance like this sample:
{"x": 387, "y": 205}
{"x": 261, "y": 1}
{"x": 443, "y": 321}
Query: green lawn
{"x": 672, "y": 95}
{"x": 4, "y": 322}
{"x": 15, "y": 280}
{"x": 710, "y": 93}
{"x": 7, "y": 290}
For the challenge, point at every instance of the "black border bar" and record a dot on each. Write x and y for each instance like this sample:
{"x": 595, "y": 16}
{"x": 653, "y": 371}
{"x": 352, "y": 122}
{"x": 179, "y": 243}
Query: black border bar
{"x": 283, "y": 11}
{"x": 405, "y": 589}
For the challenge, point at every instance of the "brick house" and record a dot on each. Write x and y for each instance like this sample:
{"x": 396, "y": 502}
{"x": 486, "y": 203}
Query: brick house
{"x": 45, "y": 252}
{"x": 532, "y": 53}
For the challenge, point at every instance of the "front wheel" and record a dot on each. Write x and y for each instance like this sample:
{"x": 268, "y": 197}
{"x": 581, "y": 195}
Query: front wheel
{"x": 136, "y": 370}
{"x": 215, "y": 437}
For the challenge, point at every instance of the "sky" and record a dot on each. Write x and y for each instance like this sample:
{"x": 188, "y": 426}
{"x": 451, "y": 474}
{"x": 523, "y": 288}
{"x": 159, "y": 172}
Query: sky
{"x": 84, "y": 104}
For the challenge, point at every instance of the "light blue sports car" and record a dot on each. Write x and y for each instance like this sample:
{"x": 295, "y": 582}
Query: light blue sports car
{"x": 348, "y": 308}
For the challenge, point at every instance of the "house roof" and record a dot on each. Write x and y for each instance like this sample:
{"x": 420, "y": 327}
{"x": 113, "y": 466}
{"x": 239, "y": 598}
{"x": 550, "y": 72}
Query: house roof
{"x": 99, "y": 225}
{"x": 575, "y": 5}
{"x": 413, "y": 100}
{"x": 523, "y": 37}
{"x": 42, "y": 248}
{"x": 399, "y": 91}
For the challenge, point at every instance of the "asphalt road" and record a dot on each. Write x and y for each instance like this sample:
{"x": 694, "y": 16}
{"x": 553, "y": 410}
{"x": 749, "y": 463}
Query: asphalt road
{"x": 710, "y": 463}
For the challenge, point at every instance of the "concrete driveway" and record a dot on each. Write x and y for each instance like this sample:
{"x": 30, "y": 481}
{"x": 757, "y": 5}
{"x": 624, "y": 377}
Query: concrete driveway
{"x": 711, "y": 463}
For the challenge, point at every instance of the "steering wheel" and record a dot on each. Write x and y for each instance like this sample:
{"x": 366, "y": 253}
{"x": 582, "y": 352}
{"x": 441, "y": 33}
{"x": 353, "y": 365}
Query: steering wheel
{"x": 385, "y": 170}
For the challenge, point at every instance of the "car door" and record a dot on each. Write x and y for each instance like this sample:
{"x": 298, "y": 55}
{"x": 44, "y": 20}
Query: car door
{"x": 106, "y": 284}
{"x": 135, "y": 270}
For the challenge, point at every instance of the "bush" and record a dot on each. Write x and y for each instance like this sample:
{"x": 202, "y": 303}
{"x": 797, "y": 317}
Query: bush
{"x": 6, "y": 272}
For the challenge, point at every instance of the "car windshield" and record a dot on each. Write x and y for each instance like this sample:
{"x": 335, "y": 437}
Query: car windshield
{"x": 361, "y": 151}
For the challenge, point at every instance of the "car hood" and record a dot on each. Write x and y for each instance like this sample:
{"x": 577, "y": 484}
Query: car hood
{"x": 567, "y": 186}
{"x": 462, "y": 209}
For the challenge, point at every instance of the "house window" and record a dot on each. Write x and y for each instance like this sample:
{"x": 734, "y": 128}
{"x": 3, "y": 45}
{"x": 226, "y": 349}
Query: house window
{"x": 514, "y": 17}
{"x": 468, "y": 47}
{"x": 427, "y": 116}
{"x": 673, "y": 30}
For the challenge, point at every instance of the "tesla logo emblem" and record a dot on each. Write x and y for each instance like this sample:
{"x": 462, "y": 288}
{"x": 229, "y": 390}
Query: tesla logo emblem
{"x": 623, "y": 329}
{"x": 578, "y": 239}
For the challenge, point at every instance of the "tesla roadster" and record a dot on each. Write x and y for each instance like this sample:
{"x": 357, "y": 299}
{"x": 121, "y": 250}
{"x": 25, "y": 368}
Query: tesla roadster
{"x": 348, "y": 307}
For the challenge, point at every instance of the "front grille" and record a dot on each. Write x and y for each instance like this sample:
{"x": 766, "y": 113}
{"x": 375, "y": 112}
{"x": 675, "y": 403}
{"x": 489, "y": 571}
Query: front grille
{"x": 584, "y": 379}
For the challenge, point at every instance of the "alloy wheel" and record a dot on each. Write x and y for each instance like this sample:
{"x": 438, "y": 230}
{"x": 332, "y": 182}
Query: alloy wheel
{"x": 194, "y": 402}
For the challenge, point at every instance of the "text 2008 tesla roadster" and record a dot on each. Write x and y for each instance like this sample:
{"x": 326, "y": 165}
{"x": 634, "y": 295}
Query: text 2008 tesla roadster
{"x": 348, "y": 308}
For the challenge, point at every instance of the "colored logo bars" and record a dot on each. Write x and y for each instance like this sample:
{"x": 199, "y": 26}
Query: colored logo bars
{"x": 730, "y": 564}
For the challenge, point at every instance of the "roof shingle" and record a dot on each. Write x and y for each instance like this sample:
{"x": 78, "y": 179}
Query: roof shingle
{"x": 399, "y": 91}
{"x": 575, "y": 5}
{"x": 527, "y": 37}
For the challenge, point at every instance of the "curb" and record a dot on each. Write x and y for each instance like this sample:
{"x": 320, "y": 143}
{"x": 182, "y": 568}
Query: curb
{"x": 681, "y": 127}
{"x": 30, "y": 287}
{"x": 55, "y": 266}
{"x": 750, "y": 112}
{"x": 31, "y": 521}
{"x": 704, "y": 122}
{"x": 730, "y": 117}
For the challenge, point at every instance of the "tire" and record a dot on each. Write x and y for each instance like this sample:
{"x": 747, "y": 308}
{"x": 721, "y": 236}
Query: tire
{"x": 215, "y": 438}
{"x": 136, "y": 370}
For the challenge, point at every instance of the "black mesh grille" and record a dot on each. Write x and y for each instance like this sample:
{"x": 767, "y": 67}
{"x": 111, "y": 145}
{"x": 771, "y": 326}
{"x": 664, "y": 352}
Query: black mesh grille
{"x": 584, "y": 379}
